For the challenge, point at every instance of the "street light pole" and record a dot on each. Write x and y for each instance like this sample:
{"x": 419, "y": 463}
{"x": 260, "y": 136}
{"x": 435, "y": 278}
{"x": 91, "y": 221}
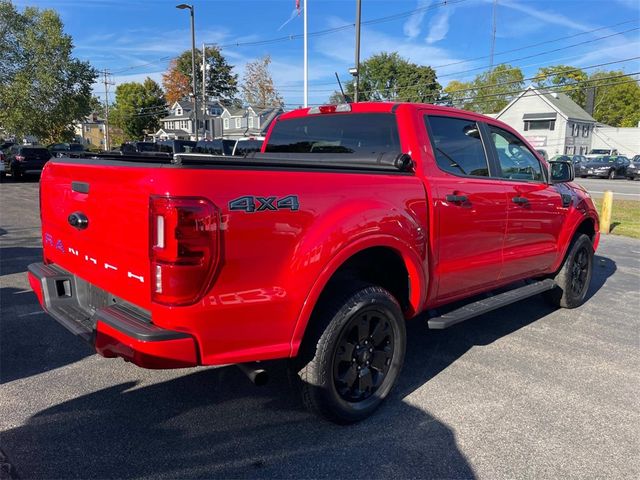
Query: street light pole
{"x": 184, "y": 6}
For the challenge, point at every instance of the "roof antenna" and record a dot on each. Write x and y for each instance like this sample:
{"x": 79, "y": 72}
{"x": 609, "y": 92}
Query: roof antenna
{"x": 345, "y": 99}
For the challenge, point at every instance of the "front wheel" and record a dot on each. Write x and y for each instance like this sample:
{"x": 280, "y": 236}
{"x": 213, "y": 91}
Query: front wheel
{"x": 574, "y": 277}
{"x": 612, "y": 174}
{"x": 358, "y": 357}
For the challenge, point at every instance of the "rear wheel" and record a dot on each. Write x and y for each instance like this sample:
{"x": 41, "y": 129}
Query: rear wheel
{"x": 358, "y": 356}
{"x": 574, "y": 277}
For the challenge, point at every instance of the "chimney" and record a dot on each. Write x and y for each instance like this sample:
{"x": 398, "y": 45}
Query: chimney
{"x": 590, "y": 100}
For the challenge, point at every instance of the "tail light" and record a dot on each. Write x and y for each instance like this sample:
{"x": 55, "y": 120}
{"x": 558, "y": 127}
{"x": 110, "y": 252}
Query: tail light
{"x": 19, "y": 158}
{"x": 184, "y": 248}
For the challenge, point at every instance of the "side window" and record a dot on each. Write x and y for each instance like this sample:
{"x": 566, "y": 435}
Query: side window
{"x": 516, "y": 160}
{"x": 458, "y": 146}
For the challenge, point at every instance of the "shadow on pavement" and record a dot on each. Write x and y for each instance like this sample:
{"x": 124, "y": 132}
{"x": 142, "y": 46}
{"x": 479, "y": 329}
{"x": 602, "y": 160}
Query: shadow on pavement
{"x": 31, "y": 341}
{"x": 17, "y": 259}
{"x": 214, "y": 423}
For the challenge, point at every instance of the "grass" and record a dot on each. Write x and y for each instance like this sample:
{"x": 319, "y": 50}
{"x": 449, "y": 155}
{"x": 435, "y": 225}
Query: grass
{"x": 625, "y": 217}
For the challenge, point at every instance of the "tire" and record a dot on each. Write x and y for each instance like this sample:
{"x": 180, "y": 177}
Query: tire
{"x": 574, "y": 276}
{"x": 16, "y": 175}
{"x": 612, "y": 175}
{"x": 359, "y": 329}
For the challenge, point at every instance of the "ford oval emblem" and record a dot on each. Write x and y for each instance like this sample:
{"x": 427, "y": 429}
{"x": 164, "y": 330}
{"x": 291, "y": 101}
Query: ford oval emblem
{"x": 78, "y": 220}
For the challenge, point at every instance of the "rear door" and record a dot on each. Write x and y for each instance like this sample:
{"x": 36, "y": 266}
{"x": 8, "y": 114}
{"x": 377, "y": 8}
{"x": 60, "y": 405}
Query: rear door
{"x": 535, "y": 208}
{"x": 470, "y": 208}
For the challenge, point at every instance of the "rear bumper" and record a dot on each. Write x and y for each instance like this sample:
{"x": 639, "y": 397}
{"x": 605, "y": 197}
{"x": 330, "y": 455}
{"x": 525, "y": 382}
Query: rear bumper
{"x": 115, "y": 329}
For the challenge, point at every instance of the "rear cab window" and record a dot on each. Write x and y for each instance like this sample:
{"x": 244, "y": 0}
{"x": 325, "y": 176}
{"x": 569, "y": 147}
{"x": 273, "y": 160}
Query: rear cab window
{"x": 362, "y": 134}
{"x": 457, "y": 145}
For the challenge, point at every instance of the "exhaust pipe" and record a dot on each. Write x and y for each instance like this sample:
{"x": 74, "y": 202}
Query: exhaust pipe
{"x": 255, "y": 373}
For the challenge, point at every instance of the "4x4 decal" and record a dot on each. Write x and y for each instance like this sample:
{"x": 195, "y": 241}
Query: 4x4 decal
{"x": 251, "y": 204}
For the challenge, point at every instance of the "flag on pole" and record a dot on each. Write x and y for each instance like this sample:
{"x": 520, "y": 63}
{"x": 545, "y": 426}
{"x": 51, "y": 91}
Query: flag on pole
{"x": 294, "y": 14}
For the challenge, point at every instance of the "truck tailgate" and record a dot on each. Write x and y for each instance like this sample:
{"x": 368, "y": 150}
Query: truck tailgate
{"x": 111, "y": 252}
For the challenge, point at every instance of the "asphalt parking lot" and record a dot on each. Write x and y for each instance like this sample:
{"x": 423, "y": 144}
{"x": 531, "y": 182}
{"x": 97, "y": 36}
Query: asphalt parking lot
{"x": 526, "y": 392}
{"x": 622, "y": 189}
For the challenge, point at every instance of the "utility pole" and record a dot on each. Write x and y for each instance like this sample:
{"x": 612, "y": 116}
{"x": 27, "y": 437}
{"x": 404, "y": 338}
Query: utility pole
{"x": 107, "y": 82}
{"x": 493, "y": 33}
{"x": 357, "y": 63}
{"x": 204, "y": 92}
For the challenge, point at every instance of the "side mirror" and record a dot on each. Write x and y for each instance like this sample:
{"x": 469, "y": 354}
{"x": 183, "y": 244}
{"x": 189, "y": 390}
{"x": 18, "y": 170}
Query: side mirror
{"x": 561, "y": 172}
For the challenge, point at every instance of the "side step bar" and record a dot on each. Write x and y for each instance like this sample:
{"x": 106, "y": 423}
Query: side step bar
{"x": 488, "y": 304}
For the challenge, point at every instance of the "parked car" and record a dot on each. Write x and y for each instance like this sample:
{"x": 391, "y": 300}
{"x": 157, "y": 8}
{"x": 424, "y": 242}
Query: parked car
{"x": 219, "y": 146}
{"x": 176, "y": 146}
{"x": 574, "y": 159}
{"x": 603, "y": 166}
{"x": 357, "y": 218}
{"x": 603, "y": 151}
{"x": 73, "y": 150}
{"x": 139, "y": 147}
{"x": 247, "y": 145}
{"x": 633, "y": 169}
{"x": 23, "y": 160}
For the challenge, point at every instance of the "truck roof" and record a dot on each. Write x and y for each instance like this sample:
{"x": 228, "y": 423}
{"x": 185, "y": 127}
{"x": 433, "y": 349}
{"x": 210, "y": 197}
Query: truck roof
{"x": 389, "y": 107}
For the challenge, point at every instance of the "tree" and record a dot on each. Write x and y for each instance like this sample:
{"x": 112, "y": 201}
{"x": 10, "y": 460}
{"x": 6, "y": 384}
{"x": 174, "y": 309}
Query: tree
{"x": 43, "y": 89}
{"x": 489, "y": 92}
{"x": 257, "y": 84}
{"x": 558, "y": 75}
{"x": 389, "y": 77}
{"x": 138, "y": 107}
{"x": 176, "y": 84}
{"x": 221, "y": 83}
{"x": 617, "y": 100}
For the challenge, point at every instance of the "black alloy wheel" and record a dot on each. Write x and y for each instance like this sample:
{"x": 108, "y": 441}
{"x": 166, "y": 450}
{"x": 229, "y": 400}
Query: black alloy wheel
{"x": 363, "y": 355}
{"x": 579, "y": 271}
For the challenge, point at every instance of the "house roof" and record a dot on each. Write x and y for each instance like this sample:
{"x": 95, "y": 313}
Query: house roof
{"x": 565, "y": 105}
{"x": 558, "y": 101}
{"x": 172, "y": 132}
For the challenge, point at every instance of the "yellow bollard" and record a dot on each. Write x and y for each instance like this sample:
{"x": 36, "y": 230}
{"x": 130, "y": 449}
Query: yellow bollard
{"x": 605, "y": 216}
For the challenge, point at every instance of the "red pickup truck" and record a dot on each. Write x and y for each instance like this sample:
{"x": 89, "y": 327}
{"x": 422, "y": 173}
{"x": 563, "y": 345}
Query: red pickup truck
{"x": 352, "y": 219}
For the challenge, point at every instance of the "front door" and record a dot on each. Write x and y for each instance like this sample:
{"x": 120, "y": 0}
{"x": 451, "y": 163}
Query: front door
{"x": 536, "y": 210}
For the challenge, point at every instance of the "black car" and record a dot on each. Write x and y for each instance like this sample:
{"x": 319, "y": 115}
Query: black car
{"x": 633, "y": 170}
{"x": 22, "y": 160}
{"x": 176, "y": 146}
{"x": 216, "y": 147}
{"x": 73, "y": 150}
{"x": 604, "y": 166}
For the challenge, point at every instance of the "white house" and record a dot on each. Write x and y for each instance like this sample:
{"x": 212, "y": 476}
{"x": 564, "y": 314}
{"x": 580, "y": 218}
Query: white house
{"x": 179, "y": 124}
{"x": 550, "y": 121}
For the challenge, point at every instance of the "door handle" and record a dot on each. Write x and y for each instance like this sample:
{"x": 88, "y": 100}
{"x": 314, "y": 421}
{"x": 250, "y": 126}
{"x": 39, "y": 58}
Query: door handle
{"x": 456, "y": 198}
{"x": 520, "y": 200}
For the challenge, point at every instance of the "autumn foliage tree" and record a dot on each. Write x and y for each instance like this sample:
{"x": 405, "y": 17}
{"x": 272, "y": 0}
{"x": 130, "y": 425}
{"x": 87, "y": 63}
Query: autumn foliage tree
{"x": 257, "y": 84}
{"x": 176, "y": 84}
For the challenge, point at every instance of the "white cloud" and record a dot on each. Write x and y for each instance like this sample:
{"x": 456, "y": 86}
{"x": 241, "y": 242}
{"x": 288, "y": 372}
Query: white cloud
{"x": 547, "y": 16}
{"x": 412, "y": 26}
{"x": 439, "y": 26}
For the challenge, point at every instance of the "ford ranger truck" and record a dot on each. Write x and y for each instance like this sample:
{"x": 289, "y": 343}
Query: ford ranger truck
{"x": 351, "y": 220}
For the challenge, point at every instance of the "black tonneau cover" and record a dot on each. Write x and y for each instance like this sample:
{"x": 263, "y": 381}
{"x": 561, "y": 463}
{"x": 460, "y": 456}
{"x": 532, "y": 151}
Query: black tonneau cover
{"x": 385, "y": 162}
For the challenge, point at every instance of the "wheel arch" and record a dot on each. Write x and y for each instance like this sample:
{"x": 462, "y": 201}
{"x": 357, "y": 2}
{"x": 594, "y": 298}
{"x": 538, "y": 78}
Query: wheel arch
{"x": 388, "y": 252}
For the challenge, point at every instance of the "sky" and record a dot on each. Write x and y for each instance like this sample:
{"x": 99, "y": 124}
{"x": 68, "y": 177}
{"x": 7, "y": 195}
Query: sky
{"x": 134, "y": 39}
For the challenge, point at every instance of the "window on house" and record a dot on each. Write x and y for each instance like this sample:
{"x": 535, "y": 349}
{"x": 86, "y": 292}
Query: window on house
{"x": 540, "y": 125}
{"x": 226, "y": 123}
{"x": 575, "y": 130}
{"x": 585, "y": 130}
{"x": 250, "y": 122}
{"x": 178, "y": 111}
{"x": 238, "y": 124}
